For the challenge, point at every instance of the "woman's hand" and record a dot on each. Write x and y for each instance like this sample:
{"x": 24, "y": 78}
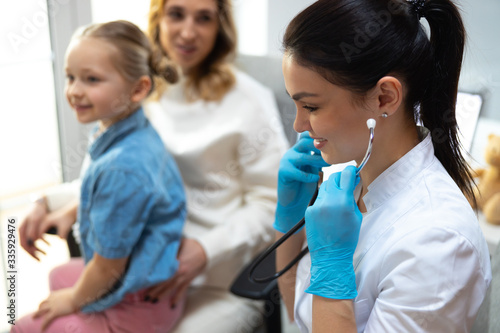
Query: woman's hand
{"x": 28, "y": 231}
{"x": 59, "y": 303}
{"x": 192, "y": 261}
{"x": 332, "y": 228}
{"x": 297, "y": 181}
{"x": 39, "y": 220}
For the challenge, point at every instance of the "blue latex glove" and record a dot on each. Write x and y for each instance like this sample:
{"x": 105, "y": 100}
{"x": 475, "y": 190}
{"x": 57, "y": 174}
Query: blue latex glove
{"x": 332, "y": 228}
{"x": 297, "y": 181}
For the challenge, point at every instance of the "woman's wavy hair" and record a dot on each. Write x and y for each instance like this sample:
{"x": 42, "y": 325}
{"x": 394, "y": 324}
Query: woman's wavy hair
{"x": 213, "y": 78}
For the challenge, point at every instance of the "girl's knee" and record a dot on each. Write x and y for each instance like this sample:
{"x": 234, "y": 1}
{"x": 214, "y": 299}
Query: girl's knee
{"x": 26, "y": 324}
{"x": 74, "y": 323}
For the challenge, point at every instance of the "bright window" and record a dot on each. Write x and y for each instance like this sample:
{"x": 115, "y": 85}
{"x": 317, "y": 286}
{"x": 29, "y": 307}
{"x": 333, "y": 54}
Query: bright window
{"x": 29, "y": 140}
{"x": 131, "y": 10}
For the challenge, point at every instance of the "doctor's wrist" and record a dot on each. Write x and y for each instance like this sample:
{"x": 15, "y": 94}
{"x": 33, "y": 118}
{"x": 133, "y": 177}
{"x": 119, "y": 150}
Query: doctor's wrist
{"x": 334, "y": 281}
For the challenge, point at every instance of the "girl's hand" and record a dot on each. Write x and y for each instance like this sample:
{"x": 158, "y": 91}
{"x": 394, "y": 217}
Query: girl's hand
{"x": 28, "y": 231}
{"x": 59, "y": 303}
{"x": 192, "y": 261}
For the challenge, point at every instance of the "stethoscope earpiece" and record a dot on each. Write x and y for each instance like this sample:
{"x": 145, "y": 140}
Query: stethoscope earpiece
{"x": 371, "y": 123}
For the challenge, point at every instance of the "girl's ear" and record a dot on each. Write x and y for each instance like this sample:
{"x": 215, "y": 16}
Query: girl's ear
{"x": 389, "y": 92}
{"x": 141, "y": 89}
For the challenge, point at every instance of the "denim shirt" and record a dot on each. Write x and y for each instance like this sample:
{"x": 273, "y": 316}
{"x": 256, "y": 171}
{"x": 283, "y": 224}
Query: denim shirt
{"x": 132, "y": 205}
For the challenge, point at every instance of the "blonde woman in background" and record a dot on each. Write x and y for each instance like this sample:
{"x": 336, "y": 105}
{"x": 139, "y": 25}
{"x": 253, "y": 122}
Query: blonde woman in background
{"x": 224, "y": 131}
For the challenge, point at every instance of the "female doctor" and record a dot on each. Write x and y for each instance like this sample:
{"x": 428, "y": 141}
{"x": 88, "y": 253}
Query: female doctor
{"x": 396, "y": 248}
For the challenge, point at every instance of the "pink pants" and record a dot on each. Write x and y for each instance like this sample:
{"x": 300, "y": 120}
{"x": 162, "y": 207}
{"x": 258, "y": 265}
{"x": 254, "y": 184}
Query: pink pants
{"x": 132, "y": 314}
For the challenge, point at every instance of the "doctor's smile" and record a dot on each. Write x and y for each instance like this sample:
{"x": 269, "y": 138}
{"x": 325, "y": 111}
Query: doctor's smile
{"x": 319, "y": 142}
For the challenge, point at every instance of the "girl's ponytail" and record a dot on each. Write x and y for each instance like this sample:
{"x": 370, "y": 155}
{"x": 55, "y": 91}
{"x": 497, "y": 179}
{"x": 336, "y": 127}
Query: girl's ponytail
{"x": 162, "y": 70}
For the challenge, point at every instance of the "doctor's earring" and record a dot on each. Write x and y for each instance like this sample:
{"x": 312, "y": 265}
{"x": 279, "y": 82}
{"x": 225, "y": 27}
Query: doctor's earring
{"x": 384, "y": 115}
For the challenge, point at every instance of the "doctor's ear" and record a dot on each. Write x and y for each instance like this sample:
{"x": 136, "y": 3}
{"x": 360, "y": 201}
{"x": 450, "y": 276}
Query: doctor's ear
{"x": 389, "y": 95}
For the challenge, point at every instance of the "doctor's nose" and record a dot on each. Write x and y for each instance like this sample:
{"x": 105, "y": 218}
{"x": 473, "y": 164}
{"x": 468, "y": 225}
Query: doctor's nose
{"x": 301, "y": 123}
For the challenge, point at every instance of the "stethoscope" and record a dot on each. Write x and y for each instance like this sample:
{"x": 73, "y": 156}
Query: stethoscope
{"x": 370, "y": 123}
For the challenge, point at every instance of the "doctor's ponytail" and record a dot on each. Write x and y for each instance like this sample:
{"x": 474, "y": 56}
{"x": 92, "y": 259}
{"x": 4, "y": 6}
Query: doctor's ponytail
{"x": 437, "y": 105}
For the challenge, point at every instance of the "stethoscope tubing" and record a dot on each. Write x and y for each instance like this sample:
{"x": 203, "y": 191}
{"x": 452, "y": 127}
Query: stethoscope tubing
{"x": 371, "y": 125}
{"x": 276, "y": 244}
{"x": 368, "y": 150}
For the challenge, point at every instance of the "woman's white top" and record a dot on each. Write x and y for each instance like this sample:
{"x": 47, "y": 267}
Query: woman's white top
{"x": 421, "y": 264}
{"x": 228, "y": 153}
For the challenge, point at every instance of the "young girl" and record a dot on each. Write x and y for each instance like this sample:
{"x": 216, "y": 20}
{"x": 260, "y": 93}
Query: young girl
{"x": 132, "y": 203}
{"x": 402, "y": 250}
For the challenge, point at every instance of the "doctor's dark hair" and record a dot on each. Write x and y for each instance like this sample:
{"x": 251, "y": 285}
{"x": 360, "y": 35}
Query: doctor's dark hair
{"x": 354, "y": 43}
{"x": 135, "y": 56}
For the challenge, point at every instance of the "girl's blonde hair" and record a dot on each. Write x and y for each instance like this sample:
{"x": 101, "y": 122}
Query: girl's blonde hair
{"x": 135, "y": 57}
{"x": 213, "y": 78}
